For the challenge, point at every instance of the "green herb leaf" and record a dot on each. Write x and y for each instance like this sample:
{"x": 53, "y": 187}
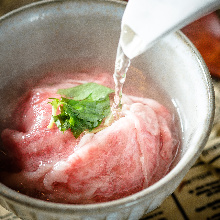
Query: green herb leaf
{"x": 88, "y": 106}
{"x": 83, "y": 91}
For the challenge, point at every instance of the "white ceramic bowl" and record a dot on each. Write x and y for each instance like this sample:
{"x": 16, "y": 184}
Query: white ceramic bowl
{"x": 65, "y": 33}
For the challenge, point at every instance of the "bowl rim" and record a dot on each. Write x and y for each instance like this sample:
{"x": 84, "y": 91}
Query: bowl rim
{"x": 183, "y": 165}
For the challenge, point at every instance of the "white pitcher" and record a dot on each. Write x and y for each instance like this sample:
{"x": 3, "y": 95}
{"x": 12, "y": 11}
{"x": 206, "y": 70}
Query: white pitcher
{"x": 146, "y": 21}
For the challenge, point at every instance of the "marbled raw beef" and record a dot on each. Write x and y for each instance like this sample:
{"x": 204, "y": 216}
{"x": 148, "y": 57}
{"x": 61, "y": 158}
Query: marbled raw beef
{"x": 124, "y": 158}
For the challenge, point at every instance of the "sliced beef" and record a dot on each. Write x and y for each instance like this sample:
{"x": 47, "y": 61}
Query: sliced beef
{"x": 124, "y": 158}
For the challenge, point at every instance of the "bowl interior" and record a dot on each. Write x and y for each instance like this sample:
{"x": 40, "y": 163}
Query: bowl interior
{"x": 66, "y": 36}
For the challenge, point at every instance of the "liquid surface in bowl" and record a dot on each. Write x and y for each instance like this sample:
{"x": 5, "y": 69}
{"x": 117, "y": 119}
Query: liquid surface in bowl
{"x": 131, "y": 154}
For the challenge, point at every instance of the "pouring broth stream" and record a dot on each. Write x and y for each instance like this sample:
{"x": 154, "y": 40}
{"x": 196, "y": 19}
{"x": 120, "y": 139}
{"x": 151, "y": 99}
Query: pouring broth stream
{"x": 122, "y": 64}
